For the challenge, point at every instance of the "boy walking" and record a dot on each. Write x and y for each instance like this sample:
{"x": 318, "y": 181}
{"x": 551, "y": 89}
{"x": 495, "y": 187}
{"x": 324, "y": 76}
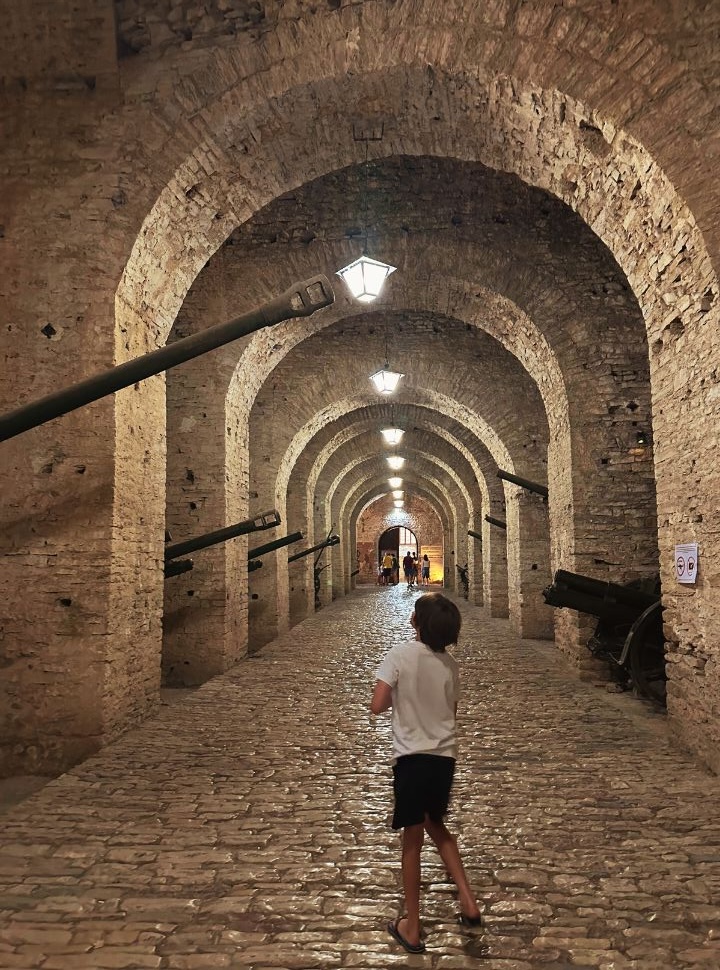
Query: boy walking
{"x": 419, "y": 681}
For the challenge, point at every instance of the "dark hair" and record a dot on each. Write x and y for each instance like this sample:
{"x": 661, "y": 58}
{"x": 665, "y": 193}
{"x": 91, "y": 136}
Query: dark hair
{"x": 437, "y": 620}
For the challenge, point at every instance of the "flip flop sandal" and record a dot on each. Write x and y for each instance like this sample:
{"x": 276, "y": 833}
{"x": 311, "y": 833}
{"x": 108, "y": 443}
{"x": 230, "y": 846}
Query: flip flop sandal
{"x": 393, "y": 930}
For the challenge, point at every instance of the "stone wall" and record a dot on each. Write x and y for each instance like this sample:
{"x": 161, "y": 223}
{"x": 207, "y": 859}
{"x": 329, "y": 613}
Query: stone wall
{"x": 417, "y": 515}
{"x": 544, "y": 174}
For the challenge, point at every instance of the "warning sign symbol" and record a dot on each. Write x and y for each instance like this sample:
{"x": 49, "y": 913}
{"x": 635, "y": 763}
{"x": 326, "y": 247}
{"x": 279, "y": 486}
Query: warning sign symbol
{"x": 686, "y": 562}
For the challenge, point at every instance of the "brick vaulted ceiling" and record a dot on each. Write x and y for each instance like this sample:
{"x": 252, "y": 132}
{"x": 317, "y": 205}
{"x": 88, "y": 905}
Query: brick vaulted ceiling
{"x": 430, "y": 217}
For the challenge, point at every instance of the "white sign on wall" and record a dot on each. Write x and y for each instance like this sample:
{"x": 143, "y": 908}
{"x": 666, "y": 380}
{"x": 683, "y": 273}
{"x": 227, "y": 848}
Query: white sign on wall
{"x": 686, "y": 562}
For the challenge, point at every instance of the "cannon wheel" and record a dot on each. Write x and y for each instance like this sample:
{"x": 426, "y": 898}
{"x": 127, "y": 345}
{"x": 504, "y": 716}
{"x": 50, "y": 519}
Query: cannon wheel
{"x": 645, "y": 652}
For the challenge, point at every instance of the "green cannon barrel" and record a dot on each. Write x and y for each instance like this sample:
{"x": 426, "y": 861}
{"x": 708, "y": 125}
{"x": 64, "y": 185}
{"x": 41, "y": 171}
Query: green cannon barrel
{"x": 178, "y": 567}
{"x": 275, "y": 544}
{"x": 266, "y": 520}
{"x": 332, "y": 541}
{"x": 523, "y": 483}
{"x": 299, "y": 300}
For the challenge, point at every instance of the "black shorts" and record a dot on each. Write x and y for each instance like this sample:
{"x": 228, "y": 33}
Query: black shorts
{"x": 422, "y": 785}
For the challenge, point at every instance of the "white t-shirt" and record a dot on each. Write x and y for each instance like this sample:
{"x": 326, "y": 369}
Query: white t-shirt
{"x": 425, "y": 690}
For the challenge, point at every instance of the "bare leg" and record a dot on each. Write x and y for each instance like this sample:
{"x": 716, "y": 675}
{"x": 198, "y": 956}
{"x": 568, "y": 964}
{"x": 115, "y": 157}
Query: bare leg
{"x": 447, "y": 847}
{"x": 412, "y": 842}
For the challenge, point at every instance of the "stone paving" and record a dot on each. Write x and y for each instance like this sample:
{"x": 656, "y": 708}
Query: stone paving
{"x": 247, "y": 826}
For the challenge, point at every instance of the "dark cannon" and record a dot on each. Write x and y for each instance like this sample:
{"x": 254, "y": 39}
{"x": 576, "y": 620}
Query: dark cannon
{"x": 177, "y": 567}
{"x": 496, "y": 522}
{"x": 475, "y": 535}
{"x": 275, "y": 544}
{"x": 629, "y": 633}
{"x": 464, "y": 579}
{"x": 266, "y": 520}
{"x": 524, "y": 483}
{"x": 320, "y": 547}
{"x": 330, "y": 541}
{"x": 300, "y": 300}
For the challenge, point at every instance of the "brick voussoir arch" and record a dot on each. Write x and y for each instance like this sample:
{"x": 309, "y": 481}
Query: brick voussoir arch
{"x": 435, "y": 400}
{"x": 369, "y": 466}
{"x": 370, "y": 479}
{"x": 427, "y": 489}
{"x": 349, "y": 433}
{"x": 611, "y": 189}
{"x": 575, "y": 150}
{"x": 369, "y": 495}
{"x": 364, "y": 503}
{"x": 335, "y": 485}
{"x": 424, "y": 475}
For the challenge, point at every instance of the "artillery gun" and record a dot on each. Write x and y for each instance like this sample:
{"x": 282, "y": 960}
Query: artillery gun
{"x": 629, "y": 633}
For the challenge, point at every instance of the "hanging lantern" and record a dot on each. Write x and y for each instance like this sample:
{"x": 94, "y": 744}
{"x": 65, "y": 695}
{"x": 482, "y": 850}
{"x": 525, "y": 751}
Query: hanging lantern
{"x": 365, "y": 276}
{"x": 386, "y": 380}
{"x": 392, "y": 436}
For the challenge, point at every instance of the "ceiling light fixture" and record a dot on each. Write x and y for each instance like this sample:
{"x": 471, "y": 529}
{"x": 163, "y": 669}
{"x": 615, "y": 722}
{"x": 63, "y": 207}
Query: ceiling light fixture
{"x": 365, "y": 276}
{"x": 395, "y": 482}
{"x": 392, "y": 436}
{"x": 395, "y": 462}
{"x": 398, "y": 493}
{"x": 386, "y": 380}
{"x": 398, "y": 503}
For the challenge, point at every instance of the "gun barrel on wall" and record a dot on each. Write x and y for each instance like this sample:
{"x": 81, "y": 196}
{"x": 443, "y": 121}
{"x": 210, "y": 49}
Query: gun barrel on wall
{"x": 498, "y": 522}
{"x": 523, "y": 483}
{"x": 332, "y": 541}
{"x": 474, "y": 534}
{"x": 266, "y": 520}
{"x": 275, "y": 544}
{"x": 299, "y": 300}
{"x": 177, "y": 568}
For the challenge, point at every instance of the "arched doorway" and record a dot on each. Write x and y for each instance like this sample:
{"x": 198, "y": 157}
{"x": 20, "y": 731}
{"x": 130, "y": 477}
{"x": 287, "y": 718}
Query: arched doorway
{"x": 397, "y": 541}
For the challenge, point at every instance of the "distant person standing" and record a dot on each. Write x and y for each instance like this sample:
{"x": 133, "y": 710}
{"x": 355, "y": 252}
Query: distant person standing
{"x": 414, "y": 570}
{"x": 387, "y": 563}
{"x": 425, "y": 570}
{"x": 407, "y": 567}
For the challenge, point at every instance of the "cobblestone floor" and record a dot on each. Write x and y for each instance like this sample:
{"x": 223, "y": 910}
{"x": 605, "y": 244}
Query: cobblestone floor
{"x": 246, "y": 826}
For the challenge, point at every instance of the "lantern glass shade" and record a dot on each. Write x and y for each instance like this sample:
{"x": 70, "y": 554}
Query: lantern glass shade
{"x": 398, "y": 503}
{"x": 365, "y": 277}
{"x": 395, "y": 482}
{"x": 395, "y": 462}
{"x": 392, "y": 436}
{"x": 386, "y": 380}
{"x": 398, "y": 493}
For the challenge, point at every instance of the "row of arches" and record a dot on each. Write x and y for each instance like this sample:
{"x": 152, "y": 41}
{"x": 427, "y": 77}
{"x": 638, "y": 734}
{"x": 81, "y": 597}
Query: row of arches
{"x": 554, "y": 257}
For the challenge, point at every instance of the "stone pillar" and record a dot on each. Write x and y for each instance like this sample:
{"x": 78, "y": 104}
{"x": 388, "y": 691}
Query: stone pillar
{"x": 528, "y": 564}
{"x": 475, "y": 558}
{"x": 300, "y": 577}
{"x": 495, "y": 572}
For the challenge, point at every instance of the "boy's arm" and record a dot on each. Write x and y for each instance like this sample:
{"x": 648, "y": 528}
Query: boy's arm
{"x": 382, "y": 698}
